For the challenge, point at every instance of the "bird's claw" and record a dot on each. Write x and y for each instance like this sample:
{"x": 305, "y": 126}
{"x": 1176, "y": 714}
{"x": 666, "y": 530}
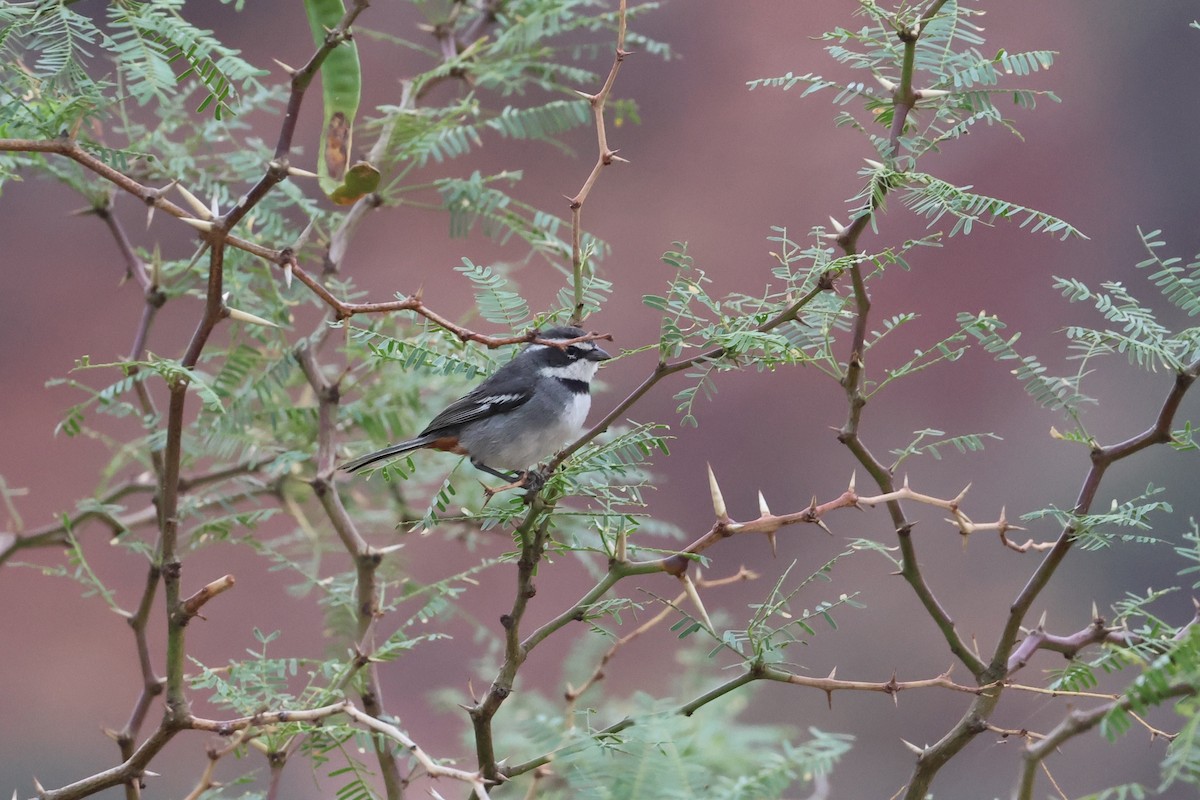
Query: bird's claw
{"x": 533, "y": 481}
{"x": 530, "y": 480}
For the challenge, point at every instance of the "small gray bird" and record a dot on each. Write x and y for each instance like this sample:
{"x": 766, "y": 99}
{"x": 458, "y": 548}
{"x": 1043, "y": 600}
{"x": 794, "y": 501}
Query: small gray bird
{"x": 525, "y": 411}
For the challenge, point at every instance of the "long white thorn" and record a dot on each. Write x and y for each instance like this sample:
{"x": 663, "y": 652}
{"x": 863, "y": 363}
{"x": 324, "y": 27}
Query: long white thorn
{"x": 690, "y": 588}
{"x": 253, "y": 319}
{"x": 198, "y": 224}
{"x": 718, "y": 500}
{"x": 193, "y": 201}
{"x": 302, "y": 239}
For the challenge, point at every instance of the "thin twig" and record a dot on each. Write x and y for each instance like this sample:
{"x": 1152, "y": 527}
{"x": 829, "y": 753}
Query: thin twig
{"x": 604, "y": 158}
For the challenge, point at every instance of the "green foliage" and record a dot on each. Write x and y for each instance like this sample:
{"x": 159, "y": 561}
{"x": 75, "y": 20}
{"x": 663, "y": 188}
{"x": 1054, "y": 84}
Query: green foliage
{"x": 541, "y": 122}
{"x": 1190, "y": 551}
{"x": 775, "y": 625}
{"x": 151, "y": 40}
{"x": 930, "y": 442}
{"x": 933, "y": 198}
{"x": 495, "y": 302}
{"x": 1142, "y": 339}
{"x": 1179, "y": 284}
{"x": 58, "y": 40}
{"x": 48, "y": 52}
{"x": 79, "y": 570}
{"x": 1091, "y": 530}
{"x": 965, "y": 82}
{"x": 767, "y": 331}
{"x": 1059, "y": 393}
{"x": 1139, "y": 335}
{"x": 664, "y": 754}
{"x": 1126, "y": 791}
{"x": 1182, "y": 764}
{"x": 802, "y": 762}
{"x": 477, "y": 200}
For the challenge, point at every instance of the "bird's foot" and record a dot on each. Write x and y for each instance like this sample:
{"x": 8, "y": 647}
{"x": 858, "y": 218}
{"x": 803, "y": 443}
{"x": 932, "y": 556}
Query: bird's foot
{"x": 533, "y": 481}
{"x": 530, "y": 480}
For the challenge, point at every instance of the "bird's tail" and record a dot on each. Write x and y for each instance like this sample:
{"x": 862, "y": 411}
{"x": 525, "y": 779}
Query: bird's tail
{"x": 387, "y": 452}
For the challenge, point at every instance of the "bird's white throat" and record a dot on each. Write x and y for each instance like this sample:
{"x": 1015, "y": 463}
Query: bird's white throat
{"x": 581, "y": 370}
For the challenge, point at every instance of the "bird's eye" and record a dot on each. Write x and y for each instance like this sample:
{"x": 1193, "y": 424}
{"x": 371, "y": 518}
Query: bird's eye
{"x": 575, "y": 351}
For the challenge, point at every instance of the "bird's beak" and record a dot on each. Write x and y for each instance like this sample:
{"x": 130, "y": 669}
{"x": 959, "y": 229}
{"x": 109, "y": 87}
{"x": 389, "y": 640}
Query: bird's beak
{"x": 597, "y": 354}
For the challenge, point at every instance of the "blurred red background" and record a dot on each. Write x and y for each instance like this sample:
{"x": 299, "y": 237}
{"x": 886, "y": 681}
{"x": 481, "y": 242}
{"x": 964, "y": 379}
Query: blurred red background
{"x": 715, "y": 165}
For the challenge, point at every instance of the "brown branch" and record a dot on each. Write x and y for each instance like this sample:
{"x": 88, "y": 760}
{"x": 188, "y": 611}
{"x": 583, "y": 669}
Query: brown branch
{"x": 192, "y": 606}
{"x": 153, "y": 198}
{"x": 1075, "y": 723}
{"x": 1102, "y": 458}
{"x": 847, "y": 238}
{"x": 1005, "y": 657}
{"x": 573, "y": 693}
{"x": 769, "y": 524}
{"x": 318, "y": 715}
{"x": 754, "y": 673}
{"x": 533, "y": 543}
{"x": 215, "y": 754}
{"x": 284, "y": 259}
{"x": 177, "y": 710}
{"x": 128, "y": 771}
{"x": 891, "y": 686}
{"x": 1069, "y": 645}
{"x": 278, "y": 169}
{"x": 1097, "y": 633}
{"x": 218, "y": 230}
{"x": 153, "y": 299}
{"x": 366, "y": 558}
{"x": 929, "y": 759}
{"x": 477, "y": 781}
{"x": 55, "y": 535}
{"x": 134, "y": 266}
{"x": 152, "y": 685}
{"x": 604, "y": 158}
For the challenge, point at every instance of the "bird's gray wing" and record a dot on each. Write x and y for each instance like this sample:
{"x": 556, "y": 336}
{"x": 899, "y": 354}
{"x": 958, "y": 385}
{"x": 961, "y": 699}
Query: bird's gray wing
{"x": 501, "y": 393}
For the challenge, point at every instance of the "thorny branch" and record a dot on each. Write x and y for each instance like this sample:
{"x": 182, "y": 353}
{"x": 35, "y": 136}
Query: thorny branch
{"x": 605, "y": 157}
{"x": 1071, "y": 644}
{"x": 284, "y": 259}
{"x": 573, "y": 693}
{"x": 1075, "y": 723}
{"x": 367, "y": 559}
{"x": 932, "y": 758}
{"x": 517, "y": 650}
{"x": 534, "y": 531}
{"x": 903, "y": 99}
{"x": 755, "y": 672}
{"x": 769, "y": 524}
{"x": 216, "y": 233}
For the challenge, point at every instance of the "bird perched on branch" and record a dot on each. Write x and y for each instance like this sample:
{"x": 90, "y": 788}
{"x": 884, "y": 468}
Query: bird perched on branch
{"x": 526, "y": 410}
